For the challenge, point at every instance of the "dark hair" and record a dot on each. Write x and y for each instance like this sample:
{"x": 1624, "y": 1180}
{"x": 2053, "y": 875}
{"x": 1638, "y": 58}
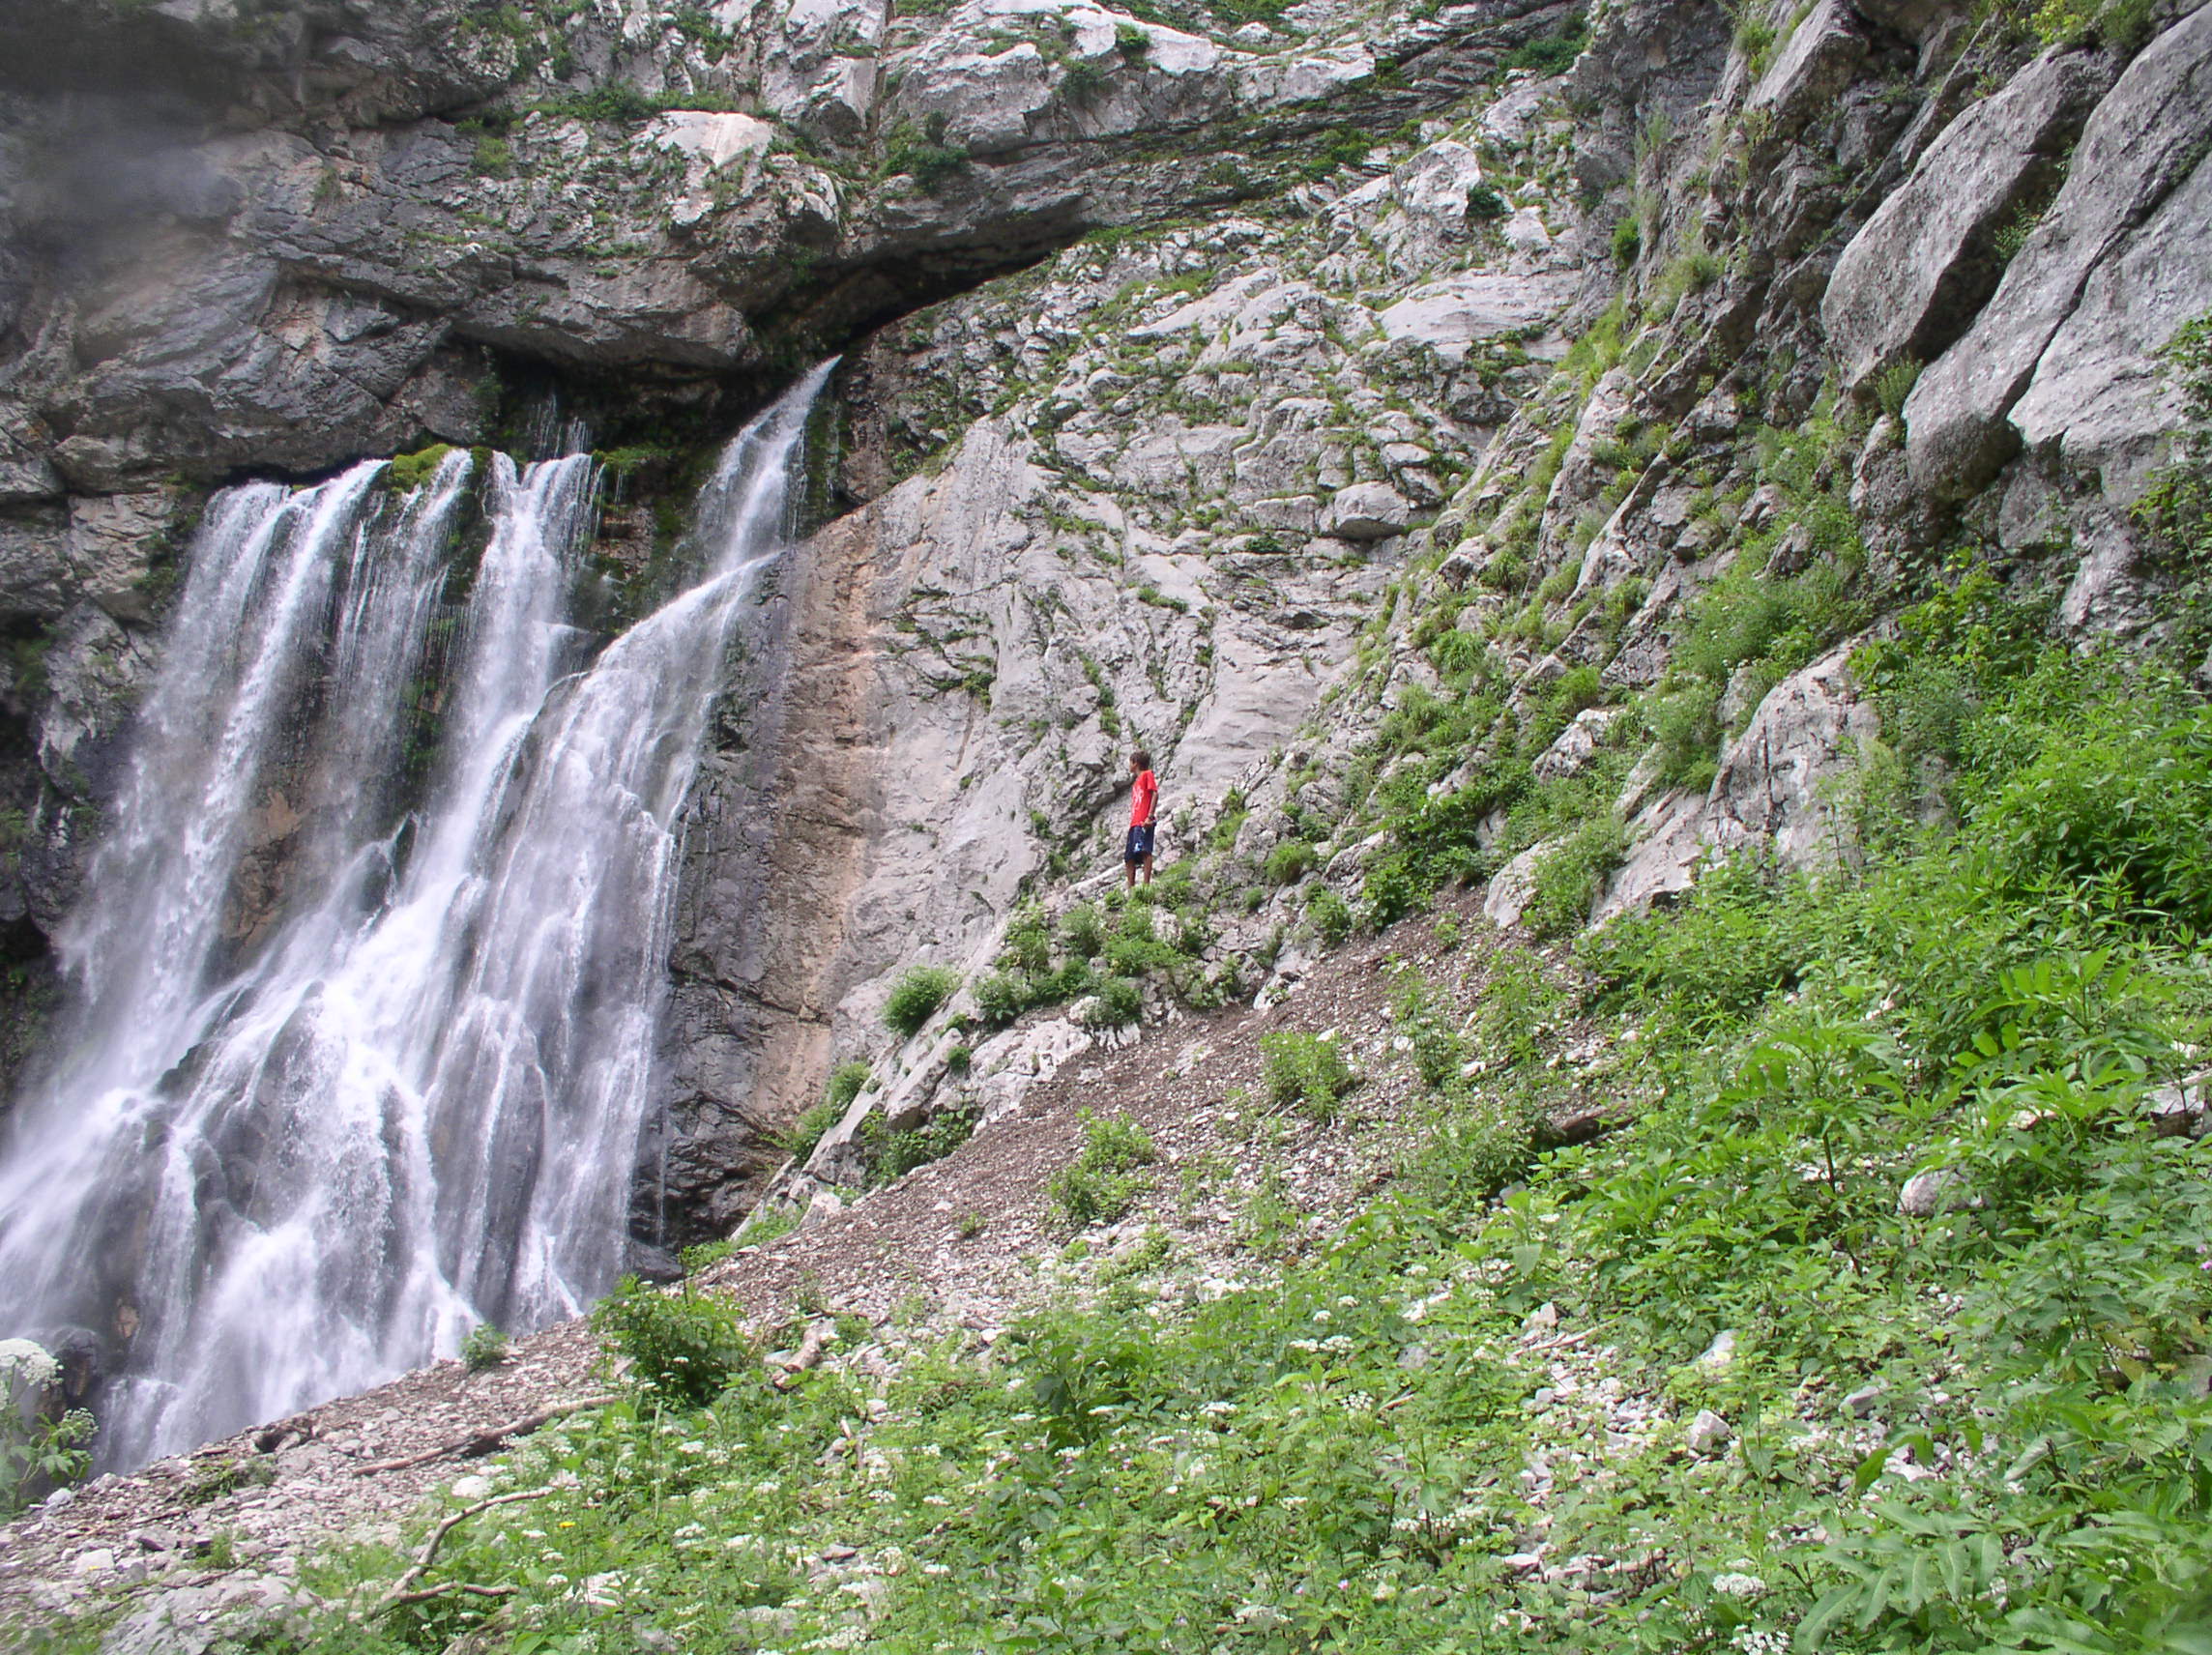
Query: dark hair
{"x": 1141, "y": 759}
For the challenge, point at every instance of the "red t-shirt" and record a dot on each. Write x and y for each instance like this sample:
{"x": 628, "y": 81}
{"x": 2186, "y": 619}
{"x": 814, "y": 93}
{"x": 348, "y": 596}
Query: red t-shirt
{"x": 1141, "y": 797}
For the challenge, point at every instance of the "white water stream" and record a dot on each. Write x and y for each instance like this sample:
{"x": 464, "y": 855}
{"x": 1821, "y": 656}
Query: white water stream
{"x": 342, "y": 1077}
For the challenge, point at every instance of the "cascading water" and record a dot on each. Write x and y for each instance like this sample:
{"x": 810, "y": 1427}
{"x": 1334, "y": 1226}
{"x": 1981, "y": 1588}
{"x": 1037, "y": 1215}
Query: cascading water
{"x": 348, "y": 1072}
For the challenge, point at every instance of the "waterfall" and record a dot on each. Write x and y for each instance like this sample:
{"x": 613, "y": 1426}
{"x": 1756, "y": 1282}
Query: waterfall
{"x": 360, "y": 1032}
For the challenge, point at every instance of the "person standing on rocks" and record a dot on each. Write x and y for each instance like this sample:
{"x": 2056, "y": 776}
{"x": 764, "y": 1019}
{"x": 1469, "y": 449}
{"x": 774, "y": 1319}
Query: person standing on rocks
{"x": 1143, "y": 802}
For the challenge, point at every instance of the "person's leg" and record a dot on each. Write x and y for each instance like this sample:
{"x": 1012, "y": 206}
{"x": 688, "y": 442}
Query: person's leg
{"x": 1148, "y": 867}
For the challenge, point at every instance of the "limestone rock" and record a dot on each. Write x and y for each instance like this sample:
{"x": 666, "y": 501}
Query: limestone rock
{"x": 2140, "y": 147}
{"x": 1928, "y": 1192}
{"x": 1368, "y": 511}
{"x": 1577, "y": 744}
{"x": 1913, "y": 277}
{"x": 1814, "y": 64}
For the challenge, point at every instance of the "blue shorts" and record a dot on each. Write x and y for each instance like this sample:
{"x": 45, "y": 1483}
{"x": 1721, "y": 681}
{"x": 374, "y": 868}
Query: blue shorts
{"x": 1140, "y": 844}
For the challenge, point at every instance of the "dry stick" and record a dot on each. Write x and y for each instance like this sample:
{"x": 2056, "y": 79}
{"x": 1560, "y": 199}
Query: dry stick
{"x": 402, "y": 1589}
{"x": 483, "y": 1443}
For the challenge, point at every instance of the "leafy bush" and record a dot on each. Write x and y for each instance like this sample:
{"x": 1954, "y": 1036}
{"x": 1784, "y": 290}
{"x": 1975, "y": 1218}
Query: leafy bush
{"x": 1083, "y": 931}
{"x": 1307, "y": 1071}
{"x": 1894, "y": 384}
{"x": 38, "y": 1453}
{"x": 682, "y": 1347}
{"x": 1082, "y": 80}
{"x": 925, "y": 155}
{"x": 1105, "y": 1178}
{"x": 1569, "y": 877}
{"x": 886, "y": 1155}
{"x": 1474, "y": 1153}
{"x": 1484, "y": 202}
{"x": 847, "y": 1081}
{"x": 917, "y": 997}
{"x": 1135, "y": 947}
{"x": 1120, "y": 1002}
{"x": 1627, "y": 239}
{"x": 803, "y": 1134}
{"x": 1424, "y": 1020}
{"x": 1291, "y": 861}
{"x": 1550, "y": 54}
{"x": 485, "y": 1347}
{"x": 765, "y": 1224}
{"x": 1028, "y": 945}
{"x": 1331, "y": 918}
{"x": 1000, "y": 997}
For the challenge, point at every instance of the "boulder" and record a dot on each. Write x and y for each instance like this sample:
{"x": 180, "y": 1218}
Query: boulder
{"x": 1369, "y": 512}
{"x": 1936, "y": 1190}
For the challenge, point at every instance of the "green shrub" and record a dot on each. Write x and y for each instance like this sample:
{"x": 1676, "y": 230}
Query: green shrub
{"x": 925, "y": 155}
{"x": 1120, "y": 1002}
{"x": 1135, "y": 947}
{"x": 1459, "y": 655}
{"x": 1484, "y": 202}
{"x": 1000, "y": 997}
{"x": 805, "y": 1131}
{"x": 1550, "y": 54}
{"x": 703, "y": 1255}
{"x": 917, "y": 997}
{"x": 1082, "y": 80}
{"x": 1306, "y": 1070}
{"x": 1392, "y": 890}
{"x": 1028, "y": 943}
{"x": 1331, "y": 918}
{"x": 485, "y": 1347}
{"x": 1473, "y": 1153}
{"x": 1083, "y": 931}
{"x": 1291, "y": 861}
{"x": 885, "y": 1154}
{"x": 1106, "y": 1177}
{"x": 1894, "y": 385}
{"x": 682, "y": 1347}
{"x": 847, "y": 1081}
{"x": 765, "y": 1224}
{"x": 1131, "y": 42}
{"x": 1425, "y": 1021}
{"x": 1569, "y": 877}
{"x": 2119, "y": 800}
{"x": 1627, "y": 239}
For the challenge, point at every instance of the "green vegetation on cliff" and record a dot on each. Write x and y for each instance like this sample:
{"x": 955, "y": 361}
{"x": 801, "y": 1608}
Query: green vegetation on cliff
{"x": 1882, "y": 1325}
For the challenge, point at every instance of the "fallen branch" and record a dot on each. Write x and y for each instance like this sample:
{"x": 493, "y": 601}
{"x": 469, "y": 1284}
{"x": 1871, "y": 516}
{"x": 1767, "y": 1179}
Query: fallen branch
{"x": 423, "y": 1594}
{"x": 482, "y": 1442}
{"x": 811, "y": 1347}
{"x": 403, "y": 1590}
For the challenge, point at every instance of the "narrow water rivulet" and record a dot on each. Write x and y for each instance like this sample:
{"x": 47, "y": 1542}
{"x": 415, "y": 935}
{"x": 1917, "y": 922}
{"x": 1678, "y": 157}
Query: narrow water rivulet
{"x": 364, "y": 981}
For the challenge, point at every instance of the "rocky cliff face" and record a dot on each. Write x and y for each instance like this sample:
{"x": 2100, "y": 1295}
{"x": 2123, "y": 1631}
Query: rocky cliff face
{"x": 1458, "y": 442}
